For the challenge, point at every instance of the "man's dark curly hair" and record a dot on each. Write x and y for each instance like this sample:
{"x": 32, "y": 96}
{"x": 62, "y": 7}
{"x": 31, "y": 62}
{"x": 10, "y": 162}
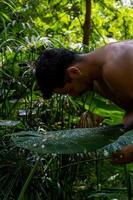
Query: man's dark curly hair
{"x": 51, "y": 67}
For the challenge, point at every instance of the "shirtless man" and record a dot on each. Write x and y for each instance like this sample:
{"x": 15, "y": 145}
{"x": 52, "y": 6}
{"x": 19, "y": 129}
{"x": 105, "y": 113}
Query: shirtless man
{"x": 107, "y": 70}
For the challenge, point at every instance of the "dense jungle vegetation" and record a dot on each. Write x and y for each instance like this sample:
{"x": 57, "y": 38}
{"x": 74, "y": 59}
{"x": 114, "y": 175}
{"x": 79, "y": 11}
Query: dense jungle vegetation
{"x": 26, "y": 28}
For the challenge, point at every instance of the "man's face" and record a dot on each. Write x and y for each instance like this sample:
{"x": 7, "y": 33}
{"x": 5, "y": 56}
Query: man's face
{"x": 78, "y": 83}
{"x": 70, "y": 89}
{"x": 74, "y": 88}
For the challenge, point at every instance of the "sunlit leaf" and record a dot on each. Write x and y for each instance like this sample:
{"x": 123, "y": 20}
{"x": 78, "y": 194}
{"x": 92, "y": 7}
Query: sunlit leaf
{"x": 8, "y": 123}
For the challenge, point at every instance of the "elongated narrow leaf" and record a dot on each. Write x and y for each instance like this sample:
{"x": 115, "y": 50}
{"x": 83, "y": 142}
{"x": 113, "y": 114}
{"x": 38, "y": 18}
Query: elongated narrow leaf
{"x": 8, "y": 123}
{"x": 67, "y": 141}
{"x": 122, "y": 141}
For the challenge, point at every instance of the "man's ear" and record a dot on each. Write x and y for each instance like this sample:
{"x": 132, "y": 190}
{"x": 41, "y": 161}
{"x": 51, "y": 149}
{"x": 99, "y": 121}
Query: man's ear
{"x": 73, "y": 72}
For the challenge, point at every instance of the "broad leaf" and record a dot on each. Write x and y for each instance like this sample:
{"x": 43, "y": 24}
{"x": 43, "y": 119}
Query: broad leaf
{"x": 122, "y": 141}
{"x": 67, "y": 141}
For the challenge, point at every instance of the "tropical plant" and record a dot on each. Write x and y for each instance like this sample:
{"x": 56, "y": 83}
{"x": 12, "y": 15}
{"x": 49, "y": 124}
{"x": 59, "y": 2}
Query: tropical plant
{"x": 26, "y": 28}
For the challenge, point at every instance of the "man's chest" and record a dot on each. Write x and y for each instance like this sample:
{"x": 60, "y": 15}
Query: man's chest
{"x": 115, "y": 93}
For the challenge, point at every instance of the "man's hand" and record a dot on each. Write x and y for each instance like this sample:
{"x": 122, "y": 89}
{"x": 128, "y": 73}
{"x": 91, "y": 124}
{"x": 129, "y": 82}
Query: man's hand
{"x": 124, "y": 156}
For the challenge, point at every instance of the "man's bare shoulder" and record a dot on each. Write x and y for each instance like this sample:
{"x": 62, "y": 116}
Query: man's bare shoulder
{"x": 113, "y": 51}
{"x": 119, "y": 52}
{"x": 116, "y": 46}
{"x": 118, "y": 64}
{"x": 120, "y": 43}
{"x": 114, "y": 56}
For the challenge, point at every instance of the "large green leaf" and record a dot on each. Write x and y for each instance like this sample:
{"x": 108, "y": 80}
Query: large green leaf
{"x": 122, "y": 141}
{"x": 67, "y": 141}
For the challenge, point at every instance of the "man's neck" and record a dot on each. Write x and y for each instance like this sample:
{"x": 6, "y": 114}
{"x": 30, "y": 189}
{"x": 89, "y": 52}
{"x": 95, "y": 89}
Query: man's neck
{"x": 92, "y": 66}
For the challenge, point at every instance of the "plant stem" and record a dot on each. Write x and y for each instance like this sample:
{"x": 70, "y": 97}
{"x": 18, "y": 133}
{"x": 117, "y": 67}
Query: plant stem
{"x": 27, "y": 182}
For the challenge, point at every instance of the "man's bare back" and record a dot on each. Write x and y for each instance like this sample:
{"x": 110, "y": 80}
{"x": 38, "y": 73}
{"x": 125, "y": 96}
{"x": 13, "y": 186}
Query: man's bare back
{"x": 116, "y": 82}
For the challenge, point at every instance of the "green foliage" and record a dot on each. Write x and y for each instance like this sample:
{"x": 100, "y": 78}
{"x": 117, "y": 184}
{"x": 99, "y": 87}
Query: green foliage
{"x": 122, "y": 141}
{"x": 67, "y": 141}
{"x": 26, "y": 28}
{"x": 63, "y": 21}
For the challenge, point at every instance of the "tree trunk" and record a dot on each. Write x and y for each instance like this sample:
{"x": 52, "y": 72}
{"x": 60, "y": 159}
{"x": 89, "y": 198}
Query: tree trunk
{"x": 87, "y": 23}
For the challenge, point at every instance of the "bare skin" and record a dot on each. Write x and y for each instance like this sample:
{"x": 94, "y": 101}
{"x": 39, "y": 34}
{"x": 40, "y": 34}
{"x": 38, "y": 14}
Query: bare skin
{"x": 108, "y": 71}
